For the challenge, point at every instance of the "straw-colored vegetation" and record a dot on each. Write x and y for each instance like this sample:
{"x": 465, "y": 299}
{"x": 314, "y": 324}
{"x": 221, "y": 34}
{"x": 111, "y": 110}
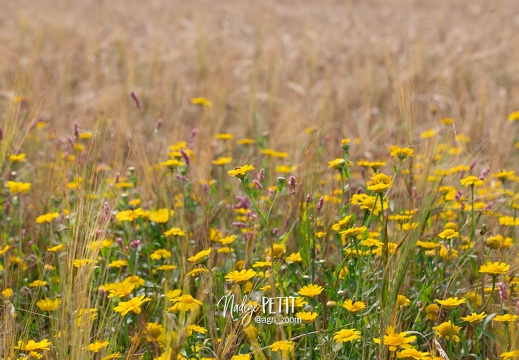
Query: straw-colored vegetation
{"x": 344, "y": 170}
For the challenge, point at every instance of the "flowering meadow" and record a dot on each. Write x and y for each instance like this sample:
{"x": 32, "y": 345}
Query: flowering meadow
{"x": 255, "y": 182}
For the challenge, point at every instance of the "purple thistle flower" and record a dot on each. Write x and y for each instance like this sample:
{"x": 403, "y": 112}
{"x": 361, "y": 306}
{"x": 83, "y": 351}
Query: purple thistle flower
{"x": 135, "y": 99}
{"x": 292, "y": 184}
{"x": 320, "y": 204}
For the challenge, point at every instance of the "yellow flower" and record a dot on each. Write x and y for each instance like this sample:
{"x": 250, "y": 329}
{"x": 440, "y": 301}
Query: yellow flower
{"x": 196, "y": 328}
{"x": 83, "y": 262}
{"x": 474, "y": 317}
{"x": 401, "y": 153}
{"x": 228, "y": 239}
{"x": 282, "y": 345}
{"x": 412, "y": 354}
{"x": 336, "y": 164}
{"x": 285, "y": 169}
{"x": 167, "y": 267}
{"x": 172, "y": 163}
{"x": 129, "y": 215}
{"x": 278, "y": 250}
{"x": 505, "y": 318}
{"x": 202, "y": 101}
{"x": 448, "y": 331}
{"x": 394, "y": 340}
{"x": 48, "y": 304}
{"x": 120, "y": 289}
{"x": 200, "y": 256}
{"x": 510, "y": 354}
{"x": 160, "y": 216}
{"x": 124, "y": 307}
{"x": 185, "y": 303}
{"x": 428, "y": 134}
{"x": 118, "y": 263}
{"x": 380, "y": 183}
{"x": 494, "y": 269}
{"x": 240, "y": 276}
{"x": 175, "y": 232}
{"x": 427, "y": 245}
{"x": 403, "y": 301}
{"x": 448, "y": 234}
{"x": 46, "y": 217}
{"x": 504, "y": 175}
{"x": 471, "y": 180}
{"x": 306, "y": 317}
{"x": 4, "y": 250}
{"x": 222, "y": 161}
{"x": 7, "y": 293}
{"x": 246, "y": 141}
{"x": 225, "y": 136}
{"x": 18, "y": 187}
{"x": 513, "y": 116}
{"x": 240, "y": 171}
{"x": 160, "y": 254}
{"x": 196, "y": 271}
{"x": 311, "y": 290}
{"x": 37, "y": 283}
{"x": 346, "y": 335}
{"x": 294, "y": 258}
{"x": 451, "y": 303}
{"x": 16, "y": 158}
{"x": 33, "y": 345}
{"x": 241, "y": 357}
{"x": 353, "y": 306}
{"x": 154, "y": 331}
{"x": 98, "y": 345}
{"x": 432, "y": 312}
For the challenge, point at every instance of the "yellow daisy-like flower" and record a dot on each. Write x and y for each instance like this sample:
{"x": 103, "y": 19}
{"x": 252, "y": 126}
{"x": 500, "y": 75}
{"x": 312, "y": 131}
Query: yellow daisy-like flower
{"x": 513, "y": 116}
{"x": 160, "y": 216}
{"x": 380, "y": 183}
{"x": 200, "y": 256}
{"x": 451, "y": 303}
{"x": 311, "y": 290}
{"x": 403, "y": 301}
{"x": 353, "y": 306}
{"x": 37, "y": 283}
{"x": 129, "y": 215}
{"x": 336, "y": 164}
{"x": 225, "y": 136}
{"x": 506, "y": 318}
{"x": 510, "y": 354}
{"x": 124, "y": 307}
{"x": 285, "y": 345}
{"x": 474, "y": 317}
{"x": 471, "y": 181}
{"x": 401, "y": 153}
{"x": 427, "y": 245}
{"x": 175, "y": 232}
{"x": 118, "y": 263}
{"x": 294, "y": 258}
{"x": 246, "y": 141}
{"x": 116, "y": 355}
{"x": 432, "y": 312}
{"x": 394, "y": 340}
{"x": 412, "y": 354}
{"x": 448, "y": 331}
{"x": 7, "y": 293}
{"x": 306, "y": 317}
{"x": 240, "y": 171}
{"x": 47, "y": 217}
{"x": 222, "y": 161}
{"x": 241, "y": 357}
{"x": 185, "y": 303}
{"x": 48, "y": 304}
{"x": 346, "y": 335}
{"x": 18, "y": 187}
{"x": 97, "y": 345}
{"x": 195, "y": 328}
{"x": 448, "y": 234}
{"x": 160, "y": 254}
{"x": 83, "y": 262}
{"x": 33, "y": 345}
{"x": 56, "y": 248}
{"x": 504, "y": 175}
{"x": 494, "y": 269}
{"x": 17, "y": 158}
{"x": 240, "y": 276}
{"x": 202, "y": 101}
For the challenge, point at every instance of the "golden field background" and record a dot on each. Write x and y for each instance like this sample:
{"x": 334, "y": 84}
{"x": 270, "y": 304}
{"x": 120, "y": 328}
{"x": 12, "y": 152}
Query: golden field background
{"x": 352, "y": 68}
